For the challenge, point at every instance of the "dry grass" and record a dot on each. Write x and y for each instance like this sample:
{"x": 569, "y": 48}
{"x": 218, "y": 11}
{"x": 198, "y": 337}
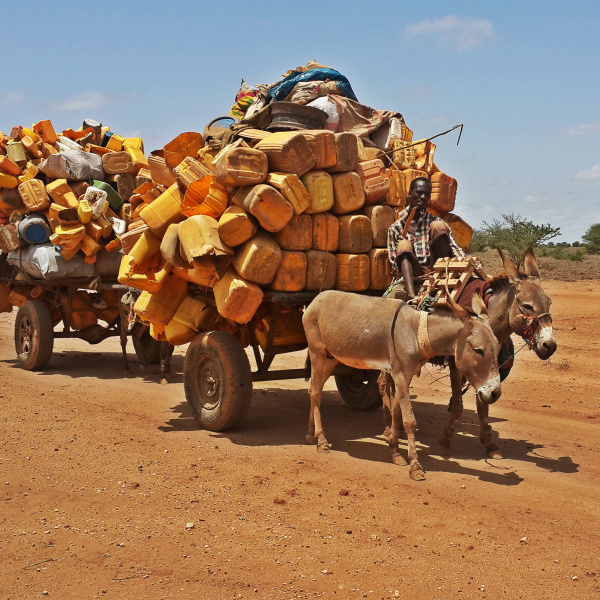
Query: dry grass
{"x": 550, "y": 268}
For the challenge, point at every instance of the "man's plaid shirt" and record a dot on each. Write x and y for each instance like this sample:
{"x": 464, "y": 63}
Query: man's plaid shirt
{"x": 420, "y": 240}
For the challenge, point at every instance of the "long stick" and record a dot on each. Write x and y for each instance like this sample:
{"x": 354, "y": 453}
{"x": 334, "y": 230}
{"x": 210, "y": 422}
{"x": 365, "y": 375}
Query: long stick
{"x": 409, "y": 221}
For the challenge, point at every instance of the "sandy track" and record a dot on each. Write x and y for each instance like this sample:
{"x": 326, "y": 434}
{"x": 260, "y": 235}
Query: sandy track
{"x": 101, "y": 474}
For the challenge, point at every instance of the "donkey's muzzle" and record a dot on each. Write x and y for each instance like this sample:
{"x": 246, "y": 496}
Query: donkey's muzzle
{"x": 489, "y": 394}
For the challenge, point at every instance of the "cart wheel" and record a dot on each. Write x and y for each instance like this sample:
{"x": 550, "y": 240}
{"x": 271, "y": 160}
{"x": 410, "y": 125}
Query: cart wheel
{"x": 146, "y": 347}
{"x": 359, "y": 389}
{"x": 34, "y": 335}
{"x": 217, "y": 380}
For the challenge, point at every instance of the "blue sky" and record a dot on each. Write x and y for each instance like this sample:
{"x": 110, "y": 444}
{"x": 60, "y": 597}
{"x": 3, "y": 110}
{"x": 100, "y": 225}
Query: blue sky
{"x": 523, "y": 77}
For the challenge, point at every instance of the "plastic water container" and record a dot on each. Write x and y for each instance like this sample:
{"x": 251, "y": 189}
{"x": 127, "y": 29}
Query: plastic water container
{"x": 149, "y": 276}
{"x": 288, "y": 331}
{"x": 236, "y": 298}
{"x": 297, "y": 234}
{"x": 241, "y": 166}
{"x": 46, "y": 131}
{"x": 114, "y": 200}
{"x": 185, "y": 144}
{"x": 374, "y": 179}
{"x": 321, "y": 269}
{"x": 265, "y": 203}
{"x": 34, "y": 196}
{"x": 381, "y": 269}
{"x": 381, "y": 218}
{"x": 461, "y": 230}
{"x": 9, "y": 167}
{"x": 288, "y": 151}
{"x": 292, "y": 189}
{"x": 395, "y": 195}
{"x": 348, "y": 193}
{"x": 163, "y": 211}
{"x": 199, "y": 237}
{"x": 160, "y": 307}
{"x": 320, "y": 187}
{"x": 356, "y": 236}
{"x": 322, "y": 144}
{"x": 353, "y": 272}
{"x": 443, "y": 193}
{"x": 258, "y": 259}
{"x": 325, "y": 232}
{"x": 202, "y": 273}
{"x": 80, "y": 317}
{"x": 346, "y": 152}
{"x": 291, "y": 274}
{"x": 117, "y": 162}
{"x": 160, "y": 171}
{"x": 34, "y": 229}
{"x": 236, "y": 226}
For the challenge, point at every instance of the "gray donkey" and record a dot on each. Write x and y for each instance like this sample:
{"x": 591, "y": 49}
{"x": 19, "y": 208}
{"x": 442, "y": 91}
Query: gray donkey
{"x": 367, "y": 332}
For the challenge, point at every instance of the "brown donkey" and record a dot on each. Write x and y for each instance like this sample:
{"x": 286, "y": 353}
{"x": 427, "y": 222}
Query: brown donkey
{"x": 517, "y": 304}
{"x": 367, "y": 332}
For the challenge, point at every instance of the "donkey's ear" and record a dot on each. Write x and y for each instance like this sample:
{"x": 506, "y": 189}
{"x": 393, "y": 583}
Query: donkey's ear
{"x": 458, "y": 310}
{"x": 510, "y": 268}
{"x": 478, "y": 305}
{"x": 530, "y": 264}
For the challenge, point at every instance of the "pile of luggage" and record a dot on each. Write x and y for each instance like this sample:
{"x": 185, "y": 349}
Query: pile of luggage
{"x": 293, "y": 191}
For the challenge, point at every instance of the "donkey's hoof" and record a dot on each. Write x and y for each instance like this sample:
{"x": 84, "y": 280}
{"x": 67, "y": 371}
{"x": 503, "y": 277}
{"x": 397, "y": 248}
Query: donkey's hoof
{"x": 163, "y": 380}
{"x": 323, "y": 447}
{"x": 416, "y": 473}
{"x": 494, "y": 453}
{"x": 311, "y": 439}
{"x": 399, "y": 460}
{"x": 443, "y": 448}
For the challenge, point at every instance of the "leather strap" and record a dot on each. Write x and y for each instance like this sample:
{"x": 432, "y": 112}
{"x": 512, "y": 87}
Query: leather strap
{"x": 425, "y": 348}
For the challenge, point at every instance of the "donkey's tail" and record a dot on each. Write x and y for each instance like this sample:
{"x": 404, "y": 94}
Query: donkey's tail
{"x": 307, "y": 367}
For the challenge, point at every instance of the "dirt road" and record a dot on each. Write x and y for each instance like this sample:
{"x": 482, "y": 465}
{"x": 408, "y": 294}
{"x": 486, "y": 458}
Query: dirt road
{"x": 109, "y": 489}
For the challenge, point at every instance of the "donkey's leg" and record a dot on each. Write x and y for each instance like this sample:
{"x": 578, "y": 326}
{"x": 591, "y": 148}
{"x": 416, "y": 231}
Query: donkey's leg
{"x": 166, "y": 352}
{"x": 385, "y": 383}
{"x": 456, "y": 410}
{"x": 402, "y": 399}
{"x": 486, "y": 432}
{"x": 394, "y": 433}
{"x": 321, "y": 369}
{"x": 123, "y": 327}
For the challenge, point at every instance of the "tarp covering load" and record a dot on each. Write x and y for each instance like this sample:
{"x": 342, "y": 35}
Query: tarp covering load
{"x": 294, "y": 191}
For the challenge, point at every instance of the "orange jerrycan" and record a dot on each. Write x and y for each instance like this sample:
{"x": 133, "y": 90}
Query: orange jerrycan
{"x": 321, "y": 268}
{"x": 322, "y": 144}
{"x": 348, "y": 192}
{"x": 258, "y": 259}
{"x": 355, "y": 234}
{"x": 291, "y": 274}
{"x": 381, "y": 269}
{"x": 236, "y": 298}
{"x": 325, "y": 232}
{"x": 353, "y": 272}
{"x": 288, "y": 151}
{"x": 297, "y": 234}
{"x": 443, "y": 193}
{"x": 240, "y": 165}
{"x": 374, "y": 179}
{"x": 265, "y": 203}
{"x": 381, "y": 218}
{"x": 320, "y": 187}
{"x": 236, "y": 226}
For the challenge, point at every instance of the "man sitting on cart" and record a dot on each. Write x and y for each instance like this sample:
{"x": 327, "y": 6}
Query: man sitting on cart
{"x": 417, "y": 239}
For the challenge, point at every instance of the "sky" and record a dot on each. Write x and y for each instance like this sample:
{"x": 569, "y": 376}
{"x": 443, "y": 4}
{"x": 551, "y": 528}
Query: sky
{"x": 522, "y": 77}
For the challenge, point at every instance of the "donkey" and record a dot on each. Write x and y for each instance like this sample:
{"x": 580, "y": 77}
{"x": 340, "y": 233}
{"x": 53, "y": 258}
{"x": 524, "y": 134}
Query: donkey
{"x": 517, "y": 304}
{"x": 367, "y": 332}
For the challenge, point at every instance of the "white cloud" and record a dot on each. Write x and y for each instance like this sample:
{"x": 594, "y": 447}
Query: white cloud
{"x": 417, "y": 93}
{"x": 592, "y": 173}
{"x": 461, "y": 33}
{"x": 85, "y": 101}
{"x": 14, "y": 97}
{"x": 583, "y": 129}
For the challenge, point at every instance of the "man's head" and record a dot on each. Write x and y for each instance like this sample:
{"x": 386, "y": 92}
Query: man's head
{"x": 419, "y": 193}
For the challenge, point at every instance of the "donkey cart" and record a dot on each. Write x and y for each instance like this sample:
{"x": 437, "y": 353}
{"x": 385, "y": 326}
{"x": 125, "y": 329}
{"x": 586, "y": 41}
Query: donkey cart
{"x": 217, "y": 373}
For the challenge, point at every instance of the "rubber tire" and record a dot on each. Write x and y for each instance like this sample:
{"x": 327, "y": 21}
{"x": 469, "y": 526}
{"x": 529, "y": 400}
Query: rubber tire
{"x": 360, "y": 390}
{"x": 34, "y": 335}
{"x": 217, "y": 380}
{"x": 147, "y": 349}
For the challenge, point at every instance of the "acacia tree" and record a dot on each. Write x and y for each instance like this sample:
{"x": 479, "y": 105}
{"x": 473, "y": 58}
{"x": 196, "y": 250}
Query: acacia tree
{"x": 515, "y": 234}
{"x": 592, "y": 239}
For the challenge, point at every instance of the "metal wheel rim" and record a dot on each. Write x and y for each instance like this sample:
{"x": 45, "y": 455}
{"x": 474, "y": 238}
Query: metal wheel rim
{"x": 209, "y": 383}
{"x": 25, "y": 335}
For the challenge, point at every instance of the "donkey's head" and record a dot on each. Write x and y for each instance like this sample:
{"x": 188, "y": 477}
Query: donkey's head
{"x": 476, "y": 350}
{"x": 529, "y": 312}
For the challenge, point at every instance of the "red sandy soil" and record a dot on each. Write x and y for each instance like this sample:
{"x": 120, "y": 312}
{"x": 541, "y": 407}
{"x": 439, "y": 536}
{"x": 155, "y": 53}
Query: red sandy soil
{"x": 110, "y": 489}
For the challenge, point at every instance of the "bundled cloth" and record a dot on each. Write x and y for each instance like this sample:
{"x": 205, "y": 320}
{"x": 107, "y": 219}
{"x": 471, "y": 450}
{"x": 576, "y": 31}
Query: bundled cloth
{"x": 283, "y": 89}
